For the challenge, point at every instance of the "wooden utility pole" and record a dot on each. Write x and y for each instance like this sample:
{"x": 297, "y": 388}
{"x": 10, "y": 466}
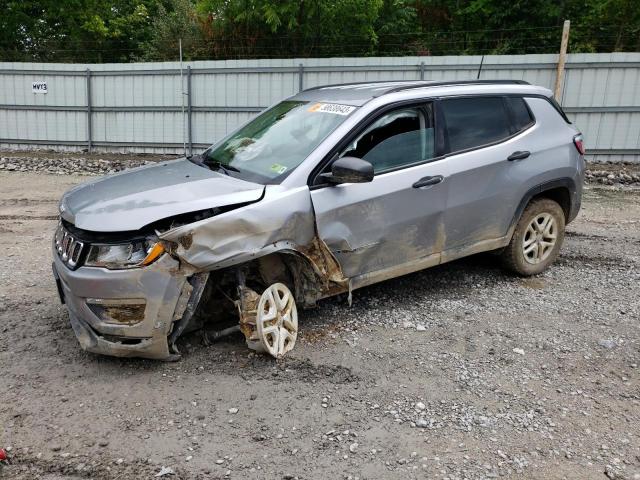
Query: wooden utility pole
{"x": 562, "y": 58}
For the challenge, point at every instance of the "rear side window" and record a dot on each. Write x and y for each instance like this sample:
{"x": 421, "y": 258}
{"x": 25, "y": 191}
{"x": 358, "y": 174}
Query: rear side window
{"x": 522, "y": 118}
{"x": 558, "y": 108}
{"x": 473, "y": 122}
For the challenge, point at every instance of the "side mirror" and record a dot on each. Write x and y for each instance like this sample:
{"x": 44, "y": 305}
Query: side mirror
{"x": 350, "y": 170}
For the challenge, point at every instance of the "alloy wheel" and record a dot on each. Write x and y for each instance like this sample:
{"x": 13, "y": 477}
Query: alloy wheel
{"x": 539, "y": 238}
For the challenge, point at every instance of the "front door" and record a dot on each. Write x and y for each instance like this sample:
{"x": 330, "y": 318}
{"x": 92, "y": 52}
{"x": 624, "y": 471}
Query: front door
{"x": 397, "y": 219}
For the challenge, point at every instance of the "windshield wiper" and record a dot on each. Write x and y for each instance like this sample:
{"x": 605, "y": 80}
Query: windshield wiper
{"x": 221, "y": 166}
{"x": 196, "y": 158}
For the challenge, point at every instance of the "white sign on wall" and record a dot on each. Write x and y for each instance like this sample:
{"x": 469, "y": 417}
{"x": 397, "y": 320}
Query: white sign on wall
{"x": 39, "y": 87}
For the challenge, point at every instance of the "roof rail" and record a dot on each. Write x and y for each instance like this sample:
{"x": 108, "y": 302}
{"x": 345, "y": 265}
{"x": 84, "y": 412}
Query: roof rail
{"x": 318, "y": 87}
{"x": 457, "y": 82}
{"x": 408, "y": 84}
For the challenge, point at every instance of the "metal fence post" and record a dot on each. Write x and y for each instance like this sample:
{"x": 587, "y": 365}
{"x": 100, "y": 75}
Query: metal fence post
{"x": 189, "y": 135}
{"x": 89, "y": 141}
{"x": 300, "y": 77}
{"x": 421, "y": 70}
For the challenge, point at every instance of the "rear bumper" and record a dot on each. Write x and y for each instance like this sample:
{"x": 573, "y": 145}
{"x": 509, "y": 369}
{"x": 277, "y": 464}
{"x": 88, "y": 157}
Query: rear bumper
{"x": 576, "y": 191}
{"x": 576, "y": 203}
{"x": 124, "y": 313}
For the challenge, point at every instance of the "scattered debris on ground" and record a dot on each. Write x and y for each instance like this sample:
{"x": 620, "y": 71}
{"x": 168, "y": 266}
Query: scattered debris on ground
{"x": 613, "y": 173}
{"x": 73, "y": 164}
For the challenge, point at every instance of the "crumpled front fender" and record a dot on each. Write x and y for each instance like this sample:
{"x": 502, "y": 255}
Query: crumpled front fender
{"x": 282, "y": 220}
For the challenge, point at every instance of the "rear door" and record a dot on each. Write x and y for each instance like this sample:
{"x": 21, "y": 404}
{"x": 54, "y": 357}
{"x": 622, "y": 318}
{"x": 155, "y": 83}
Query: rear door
{"x": 486, "y": 159}
{"x": 398, "y": 217}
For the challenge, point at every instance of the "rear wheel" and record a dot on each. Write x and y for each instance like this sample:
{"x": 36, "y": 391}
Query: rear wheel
{"x": 537, "y": 238}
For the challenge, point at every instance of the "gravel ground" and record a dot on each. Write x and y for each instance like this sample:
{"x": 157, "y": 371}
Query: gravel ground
{"x": 627, "y": 174}
{"x": 458, "y": 372}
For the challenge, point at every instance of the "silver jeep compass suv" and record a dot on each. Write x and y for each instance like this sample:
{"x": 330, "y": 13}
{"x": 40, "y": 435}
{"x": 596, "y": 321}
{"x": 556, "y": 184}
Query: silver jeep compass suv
{"x": 333, "y": 189}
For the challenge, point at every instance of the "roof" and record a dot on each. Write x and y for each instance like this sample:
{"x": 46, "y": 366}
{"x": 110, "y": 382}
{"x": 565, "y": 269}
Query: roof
{"x": 360, "y": 93}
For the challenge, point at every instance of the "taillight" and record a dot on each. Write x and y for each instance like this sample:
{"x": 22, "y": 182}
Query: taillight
{"x": 579, "y": 143}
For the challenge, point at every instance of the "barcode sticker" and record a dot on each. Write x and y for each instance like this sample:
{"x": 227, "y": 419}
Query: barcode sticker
{"x": 332, "y": 108}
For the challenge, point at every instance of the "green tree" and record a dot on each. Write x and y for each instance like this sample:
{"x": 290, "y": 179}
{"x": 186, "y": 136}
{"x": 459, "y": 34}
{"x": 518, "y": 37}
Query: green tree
{"x": 176, "y": 20}
{"x": 604, "y": 25}
{"x": 245, "y": 28}
{"x": 125, "y": 30}
{"x": 75, "y": 30}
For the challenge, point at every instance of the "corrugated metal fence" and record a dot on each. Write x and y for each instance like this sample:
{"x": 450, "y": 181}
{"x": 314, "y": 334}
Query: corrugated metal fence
{"x": 159, "y": 108}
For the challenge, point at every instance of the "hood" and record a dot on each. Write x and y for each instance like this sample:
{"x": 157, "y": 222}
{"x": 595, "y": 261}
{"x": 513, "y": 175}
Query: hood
{"x": 134, "y": 198}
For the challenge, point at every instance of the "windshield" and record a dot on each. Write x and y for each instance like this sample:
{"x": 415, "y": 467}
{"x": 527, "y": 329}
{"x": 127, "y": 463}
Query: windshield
{"x": 271, "y": 146}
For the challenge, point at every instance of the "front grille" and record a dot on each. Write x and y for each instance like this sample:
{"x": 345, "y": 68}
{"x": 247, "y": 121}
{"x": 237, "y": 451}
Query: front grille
{"x": 69, "y": 248}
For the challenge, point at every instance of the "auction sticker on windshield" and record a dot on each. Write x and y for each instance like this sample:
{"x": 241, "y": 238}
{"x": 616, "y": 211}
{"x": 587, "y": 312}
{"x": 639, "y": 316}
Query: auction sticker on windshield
{"x": 280, "y": 169}
{"x": 332, "y": 108}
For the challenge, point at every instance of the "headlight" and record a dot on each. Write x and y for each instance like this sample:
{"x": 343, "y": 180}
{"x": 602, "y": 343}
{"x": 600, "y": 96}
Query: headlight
{"x": 125, "y": 255}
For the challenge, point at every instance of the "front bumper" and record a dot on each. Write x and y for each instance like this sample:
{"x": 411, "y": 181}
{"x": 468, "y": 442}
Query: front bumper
{"x": 159, "y": 290}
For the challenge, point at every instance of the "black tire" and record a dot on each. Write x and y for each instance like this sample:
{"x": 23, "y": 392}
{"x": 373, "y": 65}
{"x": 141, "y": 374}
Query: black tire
{"x": 514, "y": 257}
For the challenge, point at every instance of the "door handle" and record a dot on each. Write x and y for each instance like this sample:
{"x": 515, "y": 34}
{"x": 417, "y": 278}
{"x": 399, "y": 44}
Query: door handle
{"x": 519, "y": 155}
{"x": 428, "y": 181}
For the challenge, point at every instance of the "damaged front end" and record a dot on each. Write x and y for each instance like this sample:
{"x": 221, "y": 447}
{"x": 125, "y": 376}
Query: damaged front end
{"x": 120, "y": 309}
{"x": 210, "y": 271}
{"x": 259, "y": 255}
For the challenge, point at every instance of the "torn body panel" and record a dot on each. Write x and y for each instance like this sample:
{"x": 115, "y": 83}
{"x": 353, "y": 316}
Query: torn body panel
{"x": 282, "y": 223}
{"x": 187, "y": 305}
{"x": 282, "y": 220}
{"x": 270, "y": 241}
{"x": 159, "y": 291}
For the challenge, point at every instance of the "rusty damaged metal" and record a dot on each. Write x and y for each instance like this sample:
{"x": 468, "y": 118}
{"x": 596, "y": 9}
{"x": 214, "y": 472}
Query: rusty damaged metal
{"x": 282, "y": 223}
{"x": 247, "y": 306}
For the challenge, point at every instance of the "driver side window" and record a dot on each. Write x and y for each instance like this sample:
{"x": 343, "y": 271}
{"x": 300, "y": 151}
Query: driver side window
{"x": 398, "y": 138}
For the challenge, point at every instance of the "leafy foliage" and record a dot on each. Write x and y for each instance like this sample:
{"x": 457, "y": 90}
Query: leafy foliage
{"x": 126, "y": 30}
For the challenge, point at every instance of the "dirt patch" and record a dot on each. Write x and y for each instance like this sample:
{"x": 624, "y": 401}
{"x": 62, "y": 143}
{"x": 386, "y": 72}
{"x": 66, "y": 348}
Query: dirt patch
{"x": 80, "y": 467}
{"x": 307, "y": 371}
{"x": 535, "y": 283}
